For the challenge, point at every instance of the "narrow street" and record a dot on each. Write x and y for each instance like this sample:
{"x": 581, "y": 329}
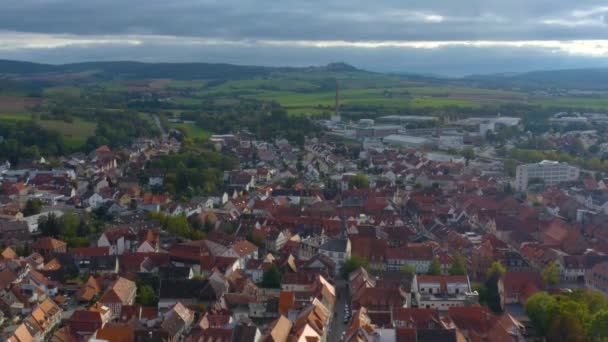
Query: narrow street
{"x": 337, "y": 325}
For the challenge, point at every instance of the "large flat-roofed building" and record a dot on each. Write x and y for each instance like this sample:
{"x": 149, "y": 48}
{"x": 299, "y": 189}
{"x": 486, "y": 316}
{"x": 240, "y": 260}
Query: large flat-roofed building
{"x": 551, "y": 172}
{"x": 407, "y": 141}
{"x": 405, "y": 119}
{"x": 379, "y": 131}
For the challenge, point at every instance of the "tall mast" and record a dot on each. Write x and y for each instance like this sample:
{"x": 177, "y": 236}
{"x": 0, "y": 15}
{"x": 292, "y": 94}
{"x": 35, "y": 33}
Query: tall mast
{"x": 337, "y": 109}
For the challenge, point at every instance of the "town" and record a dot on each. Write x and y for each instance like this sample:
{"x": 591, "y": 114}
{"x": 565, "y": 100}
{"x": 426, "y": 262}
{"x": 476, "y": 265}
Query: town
{"x": 398, "y": 228}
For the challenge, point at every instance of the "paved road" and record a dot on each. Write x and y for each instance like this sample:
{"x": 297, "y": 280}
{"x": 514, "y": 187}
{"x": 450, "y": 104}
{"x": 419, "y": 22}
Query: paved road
{"x": 160, "y": 126}
{"x": 337, "y": 326}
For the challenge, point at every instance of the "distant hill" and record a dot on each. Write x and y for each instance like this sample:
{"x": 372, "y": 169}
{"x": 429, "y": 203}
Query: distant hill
{"x": 139, "y": 70}
{"x": 584, "y": 79}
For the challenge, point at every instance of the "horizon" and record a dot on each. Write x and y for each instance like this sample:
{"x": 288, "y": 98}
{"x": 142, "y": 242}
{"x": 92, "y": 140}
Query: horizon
{"x": 402, "y": 73}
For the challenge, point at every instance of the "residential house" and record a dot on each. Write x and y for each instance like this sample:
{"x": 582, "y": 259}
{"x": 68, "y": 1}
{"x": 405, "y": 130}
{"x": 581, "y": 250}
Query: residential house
{"x": 49, "y": 247}
{"x": 596, "y": 278}
{"x": 517, "y": 287}
{"x": 89, "y": 290}
{"x": 121, "y": 292}
{"x": 177, "y": 322}
{"x": 14, "y": 231}
{"x": 39, "y": 323}
{"x": 477, "y": 323}
{"x": 85, "y": 322}
{"x": 279, "y": 330}
{"x": 443, "y": 292}
{"x": 417, "y": 256}
{"x": 243, "y": 251}
{"x": 119, "y": 240}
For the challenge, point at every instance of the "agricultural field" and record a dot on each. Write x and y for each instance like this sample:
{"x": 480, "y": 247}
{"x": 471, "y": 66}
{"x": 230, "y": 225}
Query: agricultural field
{"x": 599, "y": 104}
{"x": 75, "y": 132}
{"x": 17, "y": 104}
{"x": 192, "y": 130}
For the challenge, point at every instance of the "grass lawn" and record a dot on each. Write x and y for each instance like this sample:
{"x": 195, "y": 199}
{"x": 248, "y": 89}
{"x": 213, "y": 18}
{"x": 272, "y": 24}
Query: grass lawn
{"x": 74, "y": 133}
{"x": 188, "y": 101}
{"x": 16, "y": 116}
{"x": 71, "y": 91}
{"x": 575, "y": 103}
{"x": 192, "y": 130}
{"x": 76, "y": 130}
{"x": 178, "y": 84}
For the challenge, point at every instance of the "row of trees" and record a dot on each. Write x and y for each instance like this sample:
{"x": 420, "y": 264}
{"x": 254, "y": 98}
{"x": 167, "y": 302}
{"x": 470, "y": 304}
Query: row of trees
{"x": 194, "y": 170}
{"x": 119, "y": 128}
{"x": 267, "y": 120}
{"x": 458, "y": 267}
{"x": 70, "y": 227}
{"x": 579, "y": 316}
{"x": 534, "y": 156}
{"x": 26, "y": 139}
{"x": 178, "y": 226}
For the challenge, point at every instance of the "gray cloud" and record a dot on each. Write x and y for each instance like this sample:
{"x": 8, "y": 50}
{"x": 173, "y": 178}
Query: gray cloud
{"x": 313, "y": 19}
{"x": 297, "y": 32}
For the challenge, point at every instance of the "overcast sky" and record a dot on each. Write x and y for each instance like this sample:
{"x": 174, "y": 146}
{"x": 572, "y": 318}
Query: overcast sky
{"x": 449, "y": 37}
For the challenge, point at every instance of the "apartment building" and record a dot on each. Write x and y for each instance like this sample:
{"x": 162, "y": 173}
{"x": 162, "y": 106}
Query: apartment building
{"x": 550, "y": 172}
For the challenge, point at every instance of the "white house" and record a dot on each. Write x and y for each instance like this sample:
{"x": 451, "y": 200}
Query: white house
{"x": 443, "y": 292}
{"x": 119, "y": 240}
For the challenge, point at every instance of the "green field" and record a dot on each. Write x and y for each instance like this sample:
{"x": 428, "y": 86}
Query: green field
{"x": 192, "y": 130}
{"x": 599, "y": 104}
{"x": 75, "y": 132}
{"x": 15, "y": 116}
{"x": 55, "y": 91}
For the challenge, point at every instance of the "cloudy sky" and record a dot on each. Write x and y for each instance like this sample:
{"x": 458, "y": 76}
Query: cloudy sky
{"x": 449, "y": 37}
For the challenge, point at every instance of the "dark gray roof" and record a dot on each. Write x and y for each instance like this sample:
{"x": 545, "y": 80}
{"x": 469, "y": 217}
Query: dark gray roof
{"x": 244, "y": 333}
{"x": 436, "y": 335}
{"x": 335, "y": 245}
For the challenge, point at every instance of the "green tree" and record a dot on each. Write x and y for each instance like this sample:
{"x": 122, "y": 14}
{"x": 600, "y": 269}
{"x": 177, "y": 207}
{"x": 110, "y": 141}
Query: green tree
{"x": 68, "y": 224}
{"x": 146, "y": 296}
{"x": 359, "y": 181}
{"x": 48, "y": 225}
{"x": 541, "y": 307}
{"x": 408, "y": 270}
{"x": 353, "y": 263}
{"x": 510, "y": 166}
{"x": 434, "y": 267}
{"x": 32, "y": 207}
{"x": 565, "y": 327}
{"x": 271, "y": 277}
{"x": 551, "y": 274}
{"x": 490, "y": 295}
{"x": 468, "y": 154}
{"x": 598, "y": 329}
{"x": 496, "y": 270}
{"x": 594, "y": 148}
{"x": 459, "y": 267}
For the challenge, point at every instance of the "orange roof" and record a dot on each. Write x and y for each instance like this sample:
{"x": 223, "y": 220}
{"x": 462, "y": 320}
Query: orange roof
{"x": 116, "y": 333}
{"x": 49, "y": 244}
{"x": 243, "y": 248}
{"x": 279, "y": 329}
{"x": 287, "y": 301}
{"x": 9, "y": 254}
{"x": 121, "y": 291}
{"x": 89, "y": 290}
{"x": 52, "y": 265}
{"x": 102, "y": 149}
